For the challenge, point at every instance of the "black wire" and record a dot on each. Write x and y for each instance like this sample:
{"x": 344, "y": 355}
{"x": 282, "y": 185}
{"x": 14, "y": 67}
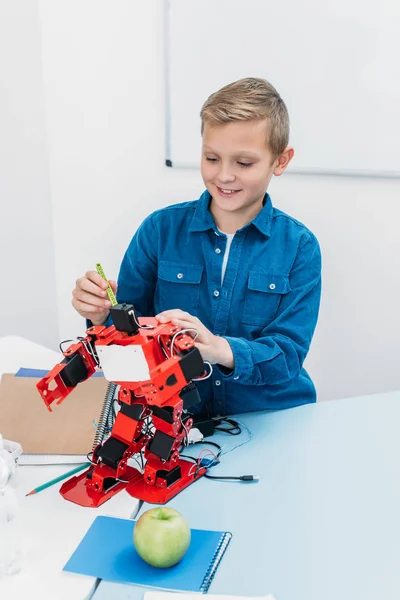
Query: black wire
{"x": 191, "y": 457}
{"x": 231, "y": 430}
{"x": 89, "y": 459}
{"x": 208, "y": 443}
{"x": 214, "y": 460}
{"x": 234, "y": 428}
{"x": 64, "y": 342}
{"x": 221, "y": 476}
{"x": 235, "y": 477}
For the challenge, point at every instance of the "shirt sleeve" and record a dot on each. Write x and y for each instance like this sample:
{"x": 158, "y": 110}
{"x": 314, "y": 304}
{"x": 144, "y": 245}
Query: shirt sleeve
{"x": 138, "y": 273}
{"x": 277, "y": 356}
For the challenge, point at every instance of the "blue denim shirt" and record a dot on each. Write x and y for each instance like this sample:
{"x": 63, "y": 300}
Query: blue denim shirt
{"x": 267, "y": 307}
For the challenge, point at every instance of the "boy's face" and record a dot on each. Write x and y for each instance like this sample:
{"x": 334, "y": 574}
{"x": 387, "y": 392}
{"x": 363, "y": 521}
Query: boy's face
{"x": 237, "y": 165}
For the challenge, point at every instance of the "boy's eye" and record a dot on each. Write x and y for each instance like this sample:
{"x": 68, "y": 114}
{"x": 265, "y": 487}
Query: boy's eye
{"x": 243, "y": 164}
{"x": 211, "y": 159}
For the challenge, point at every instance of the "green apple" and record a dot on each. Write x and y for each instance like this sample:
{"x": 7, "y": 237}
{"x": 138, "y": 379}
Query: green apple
{"x": 161, "y": 536}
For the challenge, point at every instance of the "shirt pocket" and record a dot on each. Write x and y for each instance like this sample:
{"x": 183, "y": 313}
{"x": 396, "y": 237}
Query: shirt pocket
{"x": 178, "y": 286}
{"x": 262, "y": 297}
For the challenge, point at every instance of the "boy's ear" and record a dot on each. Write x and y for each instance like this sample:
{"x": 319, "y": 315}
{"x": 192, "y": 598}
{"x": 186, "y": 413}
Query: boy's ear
{"x": 283, "y": 160}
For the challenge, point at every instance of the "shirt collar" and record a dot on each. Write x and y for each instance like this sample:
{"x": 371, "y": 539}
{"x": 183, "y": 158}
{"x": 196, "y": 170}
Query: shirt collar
{"x": 203, "y": 219}
{"x": 263, "y": 221}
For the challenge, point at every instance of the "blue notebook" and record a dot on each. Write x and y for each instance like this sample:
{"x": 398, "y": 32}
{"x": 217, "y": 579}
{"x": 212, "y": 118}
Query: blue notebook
{"x": 107, "y": 552}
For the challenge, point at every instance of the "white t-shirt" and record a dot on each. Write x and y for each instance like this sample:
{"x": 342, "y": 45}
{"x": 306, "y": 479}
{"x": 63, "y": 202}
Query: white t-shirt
{"x": 229, "y": 239}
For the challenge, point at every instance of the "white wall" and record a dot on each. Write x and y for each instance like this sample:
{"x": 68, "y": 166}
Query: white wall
{"x": 27, "y": 274}
{"x": 104, "y": 105}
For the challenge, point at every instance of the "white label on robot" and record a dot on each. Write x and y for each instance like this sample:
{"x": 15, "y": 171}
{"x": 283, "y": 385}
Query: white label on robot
{"x": 123, "y": 363}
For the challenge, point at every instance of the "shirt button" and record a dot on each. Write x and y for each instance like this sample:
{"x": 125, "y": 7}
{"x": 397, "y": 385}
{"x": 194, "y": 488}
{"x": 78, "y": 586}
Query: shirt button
{"x": 236, "y": 378}
{"x": 180, "y": 275}
{"x": 272, "y": 286}
{"x": 216, "y": 293}
{"x": 217, "y": 382}
{"x": 218, "y": 250}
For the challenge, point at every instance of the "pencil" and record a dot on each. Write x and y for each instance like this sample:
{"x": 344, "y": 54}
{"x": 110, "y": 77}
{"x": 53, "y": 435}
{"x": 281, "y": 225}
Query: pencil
{"x": 57, "y": 479}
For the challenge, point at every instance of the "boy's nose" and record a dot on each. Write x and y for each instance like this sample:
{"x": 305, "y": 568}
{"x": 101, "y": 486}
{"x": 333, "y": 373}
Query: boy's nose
{"x": 225, "y": 176}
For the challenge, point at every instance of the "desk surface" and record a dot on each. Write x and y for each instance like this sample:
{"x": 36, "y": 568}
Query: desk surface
{"x": 323, "y": 521}
{"x": 321, "y": 524}
{"x": 51, "y": 528}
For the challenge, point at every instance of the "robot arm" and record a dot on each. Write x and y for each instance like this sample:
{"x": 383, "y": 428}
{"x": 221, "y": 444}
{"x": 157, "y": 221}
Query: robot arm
{"x": 79, "y": 364}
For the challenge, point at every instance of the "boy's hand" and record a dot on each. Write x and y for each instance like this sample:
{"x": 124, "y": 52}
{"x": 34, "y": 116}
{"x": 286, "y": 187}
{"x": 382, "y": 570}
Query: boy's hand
{"x": 213, "y": 348}
{"x": 90, "y": 298}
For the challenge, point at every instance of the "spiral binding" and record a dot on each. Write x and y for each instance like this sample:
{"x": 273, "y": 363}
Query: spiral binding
{"x": 216, "y": 559}
{"x": 106, "y": 415}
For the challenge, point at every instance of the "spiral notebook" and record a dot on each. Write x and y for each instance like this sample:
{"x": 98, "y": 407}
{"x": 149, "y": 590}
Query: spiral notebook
{"x": 107, "y": 552}
{"x": 63, "y": 436}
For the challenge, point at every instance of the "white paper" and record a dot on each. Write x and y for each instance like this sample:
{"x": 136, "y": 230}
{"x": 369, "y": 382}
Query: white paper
{"x": 189, "y": 596}
{"x": 123, "y": 363}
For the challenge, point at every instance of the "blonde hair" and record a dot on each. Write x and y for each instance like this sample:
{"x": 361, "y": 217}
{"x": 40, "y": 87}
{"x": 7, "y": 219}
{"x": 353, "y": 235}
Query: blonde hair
{"x": 246, "y": 100}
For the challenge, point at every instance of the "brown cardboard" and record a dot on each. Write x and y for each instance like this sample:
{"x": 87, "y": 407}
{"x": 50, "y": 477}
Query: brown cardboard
{"x": 68, "y": 429}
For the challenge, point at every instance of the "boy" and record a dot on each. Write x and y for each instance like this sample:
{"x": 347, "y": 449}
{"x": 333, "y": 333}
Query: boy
{"x": 245, "y": 275}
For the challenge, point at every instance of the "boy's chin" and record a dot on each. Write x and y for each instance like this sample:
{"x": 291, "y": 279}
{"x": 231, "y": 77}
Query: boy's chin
{"x": 230, "y": 207}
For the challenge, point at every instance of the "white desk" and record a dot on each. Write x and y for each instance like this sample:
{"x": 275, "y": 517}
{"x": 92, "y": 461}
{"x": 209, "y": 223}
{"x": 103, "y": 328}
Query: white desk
{"x": 323, "y": 521}
{"x": 51, "y": 526}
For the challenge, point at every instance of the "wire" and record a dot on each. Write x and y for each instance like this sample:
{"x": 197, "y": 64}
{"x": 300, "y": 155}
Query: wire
{"x": 136, "y": 459}
{"x": 199, "y": 459}
{"x": 181, "y": 332}
{"x": 208, "y": 374}
{"x": 162, "y": 347}
{"x": 192, "y": 458}
{"x": 64, "y": 342}
{"x": 87, "y": 345}
{"x": 92, "y": 352}
{"x": 234, "y": 428}
{"x": 165, "y": 352}
{"x": 148, "y": 426}
{"x": 202, "y": 458}
{"x": 186, "y": 442}
{"x": 242, "y": 443}
{"x": 239, "y": 477}
{"x": 89, "y": 459}
{"x": 195, "y": 338}
{"x": 132, "y": 312}
{"x": 209, "y": 443}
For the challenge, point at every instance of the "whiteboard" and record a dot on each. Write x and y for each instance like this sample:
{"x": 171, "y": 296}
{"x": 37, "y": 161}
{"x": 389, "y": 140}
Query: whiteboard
{"x": 335, "y": 64}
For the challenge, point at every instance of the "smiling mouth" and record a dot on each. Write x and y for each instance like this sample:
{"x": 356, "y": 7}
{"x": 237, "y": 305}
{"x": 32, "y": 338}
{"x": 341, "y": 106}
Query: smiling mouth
{"x": 226, "y": 191}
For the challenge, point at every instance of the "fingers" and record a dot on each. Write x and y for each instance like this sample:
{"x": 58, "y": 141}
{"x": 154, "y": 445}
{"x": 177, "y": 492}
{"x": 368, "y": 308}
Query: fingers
{"x": 114, "y": 285}
{"x": 186, "y": 324}
{"x": 90, "y": 295}
{"x": 85, "y": 308}
{"x": 81, "y": 297}
{"x": 93, "y": 283}
{"x": 96, "y": 279}
{"x": 171, "y": 315}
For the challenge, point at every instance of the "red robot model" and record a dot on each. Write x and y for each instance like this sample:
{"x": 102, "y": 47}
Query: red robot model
{"x": 154, "y": 366}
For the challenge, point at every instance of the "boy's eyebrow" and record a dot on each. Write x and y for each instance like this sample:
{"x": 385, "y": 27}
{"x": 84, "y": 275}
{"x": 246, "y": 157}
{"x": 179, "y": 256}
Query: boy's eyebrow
{"x": 241, "y": 154}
